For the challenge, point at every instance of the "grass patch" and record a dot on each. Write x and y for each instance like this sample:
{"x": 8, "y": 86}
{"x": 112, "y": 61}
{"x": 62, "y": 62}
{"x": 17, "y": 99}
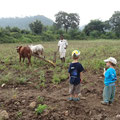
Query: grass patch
{"x": 40, "y": 109}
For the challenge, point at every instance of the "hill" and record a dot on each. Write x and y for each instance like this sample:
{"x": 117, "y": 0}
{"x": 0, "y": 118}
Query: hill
{"x": 23, "y": 23}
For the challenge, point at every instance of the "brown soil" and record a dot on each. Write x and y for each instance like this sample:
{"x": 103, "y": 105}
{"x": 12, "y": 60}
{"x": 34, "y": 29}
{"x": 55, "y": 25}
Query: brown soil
{"x": 15, "y": 99}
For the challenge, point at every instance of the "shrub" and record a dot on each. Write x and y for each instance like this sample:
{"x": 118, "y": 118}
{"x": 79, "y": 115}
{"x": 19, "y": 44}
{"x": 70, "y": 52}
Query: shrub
{"x": 48, "y": 36}
{"x": 15, "y": 29}
{"x": 67, "y": 36}
{"x": 16, "y": 35}
{"x": 95, "y": 34}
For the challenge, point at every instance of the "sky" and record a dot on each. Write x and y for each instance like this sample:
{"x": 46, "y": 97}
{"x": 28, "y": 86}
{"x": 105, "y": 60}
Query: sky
{"x": 87, "y": 9}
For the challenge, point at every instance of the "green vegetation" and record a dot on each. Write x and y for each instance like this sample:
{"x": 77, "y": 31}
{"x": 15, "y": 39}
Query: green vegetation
{"x": 40, "y": 99}
{"x": 40, "y": 109}
{"x": 19, "y": 114}
{"x": 56, "y": 79}
{"x": 65, "y": 24}
{"x": 41, "y": 73}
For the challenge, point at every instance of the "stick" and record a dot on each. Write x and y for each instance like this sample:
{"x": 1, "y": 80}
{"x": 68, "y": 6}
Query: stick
{"x": 53, "y": 64}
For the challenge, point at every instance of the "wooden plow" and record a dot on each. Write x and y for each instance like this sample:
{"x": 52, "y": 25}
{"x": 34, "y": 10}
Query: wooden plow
{"x": 48, "y": 61}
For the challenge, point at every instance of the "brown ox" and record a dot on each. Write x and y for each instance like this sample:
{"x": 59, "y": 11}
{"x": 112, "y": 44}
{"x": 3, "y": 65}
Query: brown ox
{"x": 24, "y": 52}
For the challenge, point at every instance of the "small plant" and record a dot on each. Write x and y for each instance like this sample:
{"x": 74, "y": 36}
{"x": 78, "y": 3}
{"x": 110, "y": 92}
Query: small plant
{"x": 22, "y": 80}
{"x": 64, "y": 76}
{"x": 42, "y": 84}
{"x": 40, "y": 99}
{"x": 5, "y": 78}
{"x": 40, "y": 109}
{"x": 66, "y": 65}
{"x": 56, "y": 79}
{"x": 19, "y": 114}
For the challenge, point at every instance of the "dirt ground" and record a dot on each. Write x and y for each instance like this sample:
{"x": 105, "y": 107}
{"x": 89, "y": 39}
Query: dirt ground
{"x": 15, "y": 99}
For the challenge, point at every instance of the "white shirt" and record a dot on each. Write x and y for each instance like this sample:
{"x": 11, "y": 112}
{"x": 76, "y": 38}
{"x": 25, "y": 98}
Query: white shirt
{"x": 62, "y": 44}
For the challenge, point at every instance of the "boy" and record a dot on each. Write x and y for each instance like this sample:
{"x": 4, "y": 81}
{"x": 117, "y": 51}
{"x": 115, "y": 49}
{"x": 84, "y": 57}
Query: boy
{"x": 62, "y": 46}
{"x": 75, "y": 73}
{"x": 109, "y": 81}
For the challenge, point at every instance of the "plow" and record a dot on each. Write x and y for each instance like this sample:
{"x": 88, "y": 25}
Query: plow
{"x": 53, "y": 63}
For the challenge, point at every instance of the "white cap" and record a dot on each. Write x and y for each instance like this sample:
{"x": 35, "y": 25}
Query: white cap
{"x": 112, "y": 60}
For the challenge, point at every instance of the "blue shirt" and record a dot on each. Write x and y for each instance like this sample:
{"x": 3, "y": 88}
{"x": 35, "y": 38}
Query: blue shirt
{"x": 74, "y": 70}
{"x": 110, "y": 76}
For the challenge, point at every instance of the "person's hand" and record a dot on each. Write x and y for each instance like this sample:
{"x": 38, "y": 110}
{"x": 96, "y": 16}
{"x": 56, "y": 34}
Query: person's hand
{"x": 104, "y": 73}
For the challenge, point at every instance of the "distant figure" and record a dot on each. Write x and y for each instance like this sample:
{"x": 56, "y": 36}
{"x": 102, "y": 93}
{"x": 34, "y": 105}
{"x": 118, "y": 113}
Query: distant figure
{"x": 109, "y": 81}
{"x": 62, "y": 46}
{"x": 75, "y": 75}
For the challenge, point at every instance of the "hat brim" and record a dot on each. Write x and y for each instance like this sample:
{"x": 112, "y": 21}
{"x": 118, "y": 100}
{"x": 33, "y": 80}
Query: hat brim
{"x": 109, "y": 61}
{"x": 106, "y": 61}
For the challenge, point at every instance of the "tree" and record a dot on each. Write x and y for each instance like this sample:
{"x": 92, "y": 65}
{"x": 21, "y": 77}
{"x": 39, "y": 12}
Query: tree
{"x": 74, "y": 20}
{"x": 36, "y": 27}
{"x": 115, "y": 23}
{"x": 15, "y": 29}
{"x": 95, "y": 25}
{"x": 66, "y": 21}
{"x": 94, "y": 34}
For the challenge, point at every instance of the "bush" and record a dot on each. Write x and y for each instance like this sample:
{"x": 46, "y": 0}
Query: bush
{"x": 7, "y": 39}
{"x": 67, "y": 36}
{"x": 16, "y": 35}
{"x": 15, "y": 29}
{"x": 48, "y": 36}
{"x": 74, "y": 33}
{"x": 25, "y": 40}
{"x": 94, "y": 34}
{"x": 33, "y": 38}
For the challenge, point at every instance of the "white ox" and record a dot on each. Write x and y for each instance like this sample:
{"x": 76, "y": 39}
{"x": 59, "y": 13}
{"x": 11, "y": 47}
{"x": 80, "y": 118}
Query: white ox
{"x": 37, "y": 49}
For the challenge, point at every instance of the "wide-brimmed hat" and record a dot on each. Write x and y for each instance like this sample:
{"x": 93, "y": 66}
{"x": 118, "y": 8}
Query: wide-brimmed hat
{"x": 112, "y": 60}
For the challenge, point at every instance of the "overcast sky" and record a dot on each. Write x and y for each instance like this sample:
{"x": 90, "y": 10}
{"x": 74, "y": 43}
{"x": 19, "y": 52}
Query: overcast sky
{"x": 87, "y": 9}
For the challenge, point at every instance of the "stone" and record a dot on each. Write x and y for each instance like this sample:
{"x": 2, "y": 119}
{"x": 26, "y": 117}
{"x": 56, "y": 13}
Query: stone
{"x": 100, "y": 117}
{"x": 118, "y": 117}
{"x": 23, "y": 101}
{"x": 3, "y": 85}
{"x": 4, "y": 115}
{"x": 32, "y": 105}
{"x": 66, "y": 113}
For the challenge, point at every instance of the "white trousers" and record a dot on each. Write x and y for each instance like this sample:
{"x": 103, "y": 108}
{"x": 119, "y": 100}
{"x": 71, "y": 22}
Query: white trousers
{"x": 62, "y": 54}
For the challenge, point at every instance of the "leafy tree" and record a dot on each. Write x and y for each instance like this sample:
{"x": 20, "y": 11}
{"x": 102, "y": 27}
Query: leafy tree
{"x": 94, "y": 34}
{"x": 25, "y": 31}
{"x": 66, "y": 21}
{"x": 36, "y": 27}
{"x": 74, "y": 20}
{"x": 74, "y": 33}
{"x": 94, "y": 25}
{"x": 115, "y": 23}
{"x": 15, "y": 29}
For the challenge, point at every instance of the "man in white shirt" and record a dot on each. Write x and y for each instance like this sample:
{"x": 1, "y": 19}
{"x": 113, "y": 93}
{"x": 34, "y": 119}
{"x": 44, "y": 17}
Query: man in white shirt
{"x": 62, "y": 46}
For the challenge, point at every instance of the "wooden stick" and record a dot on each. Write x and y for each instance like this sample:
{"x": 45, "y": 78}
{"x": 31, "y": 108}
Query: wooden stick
{"x": 53, "y": 64}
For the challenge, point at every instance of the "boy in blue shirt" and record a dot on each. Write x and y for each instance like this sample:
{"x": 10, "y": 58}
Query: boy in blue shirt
{"x": 109, "y": 81}
{"x": 75, "y": 74}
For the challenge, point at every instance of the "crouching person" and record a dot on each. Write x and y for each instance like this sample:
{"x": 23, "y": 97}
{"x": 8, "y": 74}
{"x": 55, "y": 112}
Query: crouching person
{"x": 109, "y": 81}
{"x": 75, "y": 73}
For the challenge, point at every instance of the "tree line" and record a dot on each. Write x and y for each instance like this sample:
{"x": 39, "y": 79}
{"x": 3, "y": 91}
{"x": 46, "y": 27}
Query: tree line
{"x": 66, "y": 24}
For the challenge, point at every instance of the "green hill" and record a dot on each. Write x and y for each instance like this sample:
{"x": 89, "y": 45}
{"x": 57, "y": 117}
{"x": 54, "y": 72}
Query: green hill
{"x": 23, "y": 23}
